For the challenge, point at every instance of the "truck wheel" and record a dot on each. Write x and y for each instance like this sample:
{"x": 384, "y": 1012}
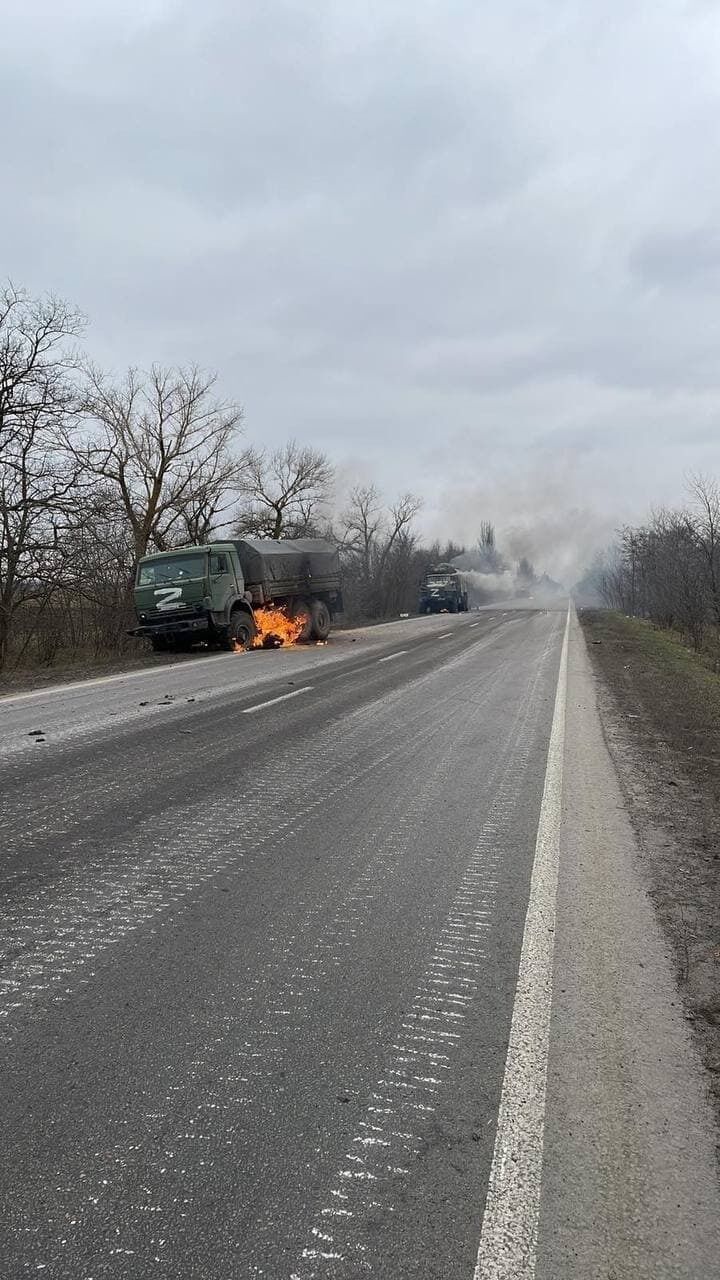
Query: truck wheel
{"x": 159, "y": 644}
{"x": 304, "y": 609}
{"x": 241, "y": 631}
{"x": 320, "y": 620}
{"x": 452, "y": 607}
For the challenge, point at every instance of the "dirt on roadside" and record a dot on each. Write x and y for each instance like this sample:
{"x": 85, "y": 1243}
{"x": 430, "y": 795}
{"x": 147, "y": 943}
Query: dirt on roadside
{"x": 66, "y": 671}
{"x": 660, "y": 708}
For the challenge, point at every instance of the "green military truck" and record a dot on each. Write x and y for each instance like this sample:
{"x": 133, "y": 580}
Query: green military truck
{"x": 210, "y": 593}
{"x": 443, "y": 590}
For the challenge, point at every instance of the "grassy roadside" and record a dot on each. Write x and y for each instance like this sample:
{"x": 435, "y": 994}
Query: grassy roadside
{"x": 678, "y": 691}
{"x": 660, "y": 704}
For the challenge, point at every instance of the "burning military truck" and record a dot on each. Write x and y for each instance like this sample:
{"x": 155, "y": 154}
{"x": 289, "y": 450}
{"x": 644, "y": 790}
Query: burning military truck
{"x": 443, "y": 589}
{"x": 236, "y": 594}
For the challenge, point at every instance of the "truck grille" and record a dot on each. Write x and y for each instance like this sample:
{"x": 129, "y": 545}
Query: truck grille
{"x": 174, "y": 615}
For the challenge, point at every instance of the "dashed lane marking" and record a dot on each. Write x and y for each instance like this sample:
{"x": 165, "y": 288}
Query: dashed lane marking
{"x": 260, "y": 706}
{"x": 390, "y": 656}
{"x": 445, "y": 635}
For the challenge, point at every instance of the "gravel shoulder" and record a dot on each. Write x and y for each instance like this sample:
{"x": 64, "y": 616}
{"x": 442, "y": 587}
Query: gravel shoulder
{"x": 660, "y": 711}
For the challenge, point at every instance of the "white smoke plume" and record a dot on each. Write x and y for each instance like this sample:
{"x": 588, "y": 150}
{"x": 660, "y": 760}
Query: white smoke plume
{"x": 538, "y": 511}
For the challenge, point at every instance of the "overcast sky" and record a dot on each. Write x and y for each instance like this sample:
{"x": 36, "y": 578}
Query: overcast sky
{"x": 470, "y": 249}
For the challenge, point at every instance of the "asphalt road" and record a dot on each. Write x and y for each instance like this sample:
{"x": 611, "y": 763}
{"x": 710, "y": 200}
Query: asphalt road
{"x": 303, "y": 974}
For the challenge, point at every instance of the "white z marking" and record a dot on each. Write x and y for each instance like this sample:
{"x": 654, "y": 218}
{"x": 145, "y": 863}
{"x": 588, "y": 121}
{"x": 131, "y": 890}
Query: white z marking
{"x": 170, "y": 595}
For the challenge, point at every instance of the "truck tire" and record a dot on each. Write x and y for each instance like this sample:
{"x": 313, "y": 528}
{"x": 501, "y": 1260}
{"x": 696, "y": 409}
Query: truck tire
{"x": 305, "y": 609}
{"x": 320, "y": 621}
{"x": 240, "y": 633}
{"x": 452, "y": 607}
{"x": 159, "y": 644}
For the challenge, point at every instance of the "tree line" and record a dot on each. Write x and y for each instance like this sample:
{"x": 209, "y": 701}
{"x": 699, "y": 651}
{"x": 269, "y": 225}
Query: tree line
{"x": 98, "y": 470}
{"x": 668, "y": 569}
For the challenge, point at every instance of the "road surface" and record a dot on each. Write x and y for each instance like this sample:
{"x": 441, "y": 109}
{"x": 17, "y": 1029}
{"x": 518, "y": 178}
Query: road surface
{"x": 333, "y": 963}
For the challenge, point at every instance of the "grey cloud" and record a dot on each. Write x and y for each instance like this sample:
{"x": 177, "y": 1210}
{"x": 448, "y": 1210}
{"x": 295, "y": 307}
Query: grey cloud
{"x": 442, "y": 238}
{"x": 683, "y": 260}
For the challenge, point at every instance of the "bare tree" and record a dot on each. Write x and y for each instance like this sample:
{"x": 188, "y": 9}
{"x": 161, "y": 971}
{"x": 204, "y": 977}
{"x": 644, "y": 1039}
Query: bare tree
{"x": 378, "y": 549}
{"x": 164, "y": 443}
{"x": 211, "y": 499}
{"x": 369, "y": 531}
{"x": 486, "y": 538}
{"x": 38, "y": 490}
{"x": 36, "y": 360}
{"x": 658, "y": 571}
{"x": 488, "y": 559}
{"x": 361, "y": 526}
{"x": 703, "y": 522}
{"x": 444, "y": 552}
{"x": 402, "y": 514}
{"x": 100, "y": 556}
{"x": 284, "y": 492}
{"x": 37, "y": 476}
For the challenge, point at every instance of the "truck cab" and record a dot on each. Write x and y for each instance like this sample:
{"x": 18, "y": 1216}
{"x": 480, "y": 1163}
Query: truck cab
{"x": 443, "y": 590}
{"x": 189, "y": 594}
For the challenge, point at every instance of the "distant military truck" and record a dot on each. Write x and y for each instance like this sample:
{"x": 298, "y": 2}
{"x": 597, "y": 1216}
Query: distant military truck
{"x": 443, "y": 590}
{"x": 211, "y": 593}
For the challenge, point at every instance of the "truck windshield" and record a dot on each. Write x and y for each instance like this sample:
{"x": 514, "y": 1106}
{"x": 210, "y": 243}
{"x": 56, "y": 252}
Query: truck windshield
{"x": 170, "y": 569}
{"x": 439, "y": 582}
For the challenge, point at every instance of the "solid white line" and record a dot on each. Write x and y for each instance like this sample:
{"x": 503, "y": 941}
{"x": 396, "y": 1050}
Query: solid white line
{"x": 508, "y": 1239}
{"x": 259, "y": 706}
{"x": 445, "y": 635}
{"x": 390, "y": 656}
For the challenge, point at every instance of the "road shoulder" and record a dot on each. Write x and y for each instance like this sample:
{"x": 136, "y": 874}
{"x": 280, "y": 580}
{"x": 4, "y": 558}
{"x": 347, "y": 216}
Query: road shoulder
{"x": 630, "y": 1177}
{"x": 660, "y": 711}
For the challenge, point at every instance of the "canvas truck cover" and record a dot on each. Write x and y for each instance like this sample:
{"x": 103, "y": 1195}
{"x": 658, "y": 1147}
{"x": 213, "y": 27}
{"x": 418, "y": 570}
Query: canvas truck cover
{"x": 285, "y": 568}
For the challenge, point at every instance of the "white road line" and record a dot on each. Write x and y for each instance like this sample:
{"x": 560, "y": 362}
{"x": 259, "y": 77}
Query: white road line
{"x": 259, "y": 706}
{"x": 474, "y": 624}
{"x": 508, "y": 1238}
{"x": 445, "y": 635}
{"x": 390, "y": 656}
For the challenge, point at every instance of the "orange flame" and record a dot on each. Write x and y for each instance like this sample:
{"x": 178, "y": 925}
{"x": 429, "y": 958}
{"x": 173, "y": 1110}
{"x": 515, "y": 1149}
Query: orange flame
{"x": 274, "y": 628}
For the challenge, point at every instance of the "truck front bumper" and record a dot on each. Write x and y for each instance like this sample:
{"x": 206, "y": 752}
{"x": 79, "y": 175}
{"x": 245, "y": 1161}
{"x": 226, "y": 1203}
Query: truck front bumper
{"x": 179, "y": 627}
